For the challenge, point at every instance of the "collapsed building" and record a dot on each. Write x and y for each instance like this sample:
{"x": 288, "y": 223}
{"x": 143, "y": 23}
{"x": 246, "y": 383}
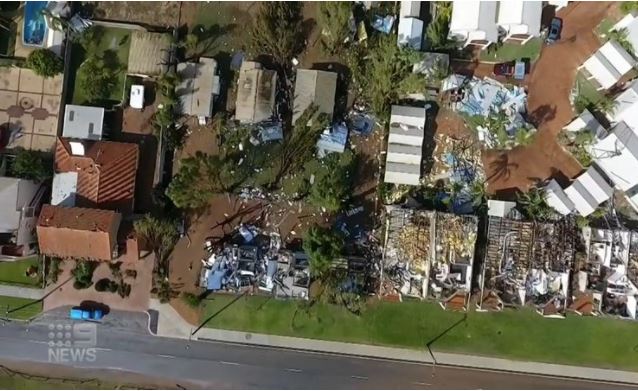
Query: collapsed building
{"x": 254, "y": 259}
{"x": 606, "y": 278}
{"x": 428, "y": 254}
{"x": 527, "y": 263}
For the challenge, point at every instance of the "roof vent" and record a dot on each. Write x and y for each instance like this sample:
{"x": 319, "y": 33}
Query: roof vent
{"x": 77, "y": 148}
{"x": 71, "y": 115}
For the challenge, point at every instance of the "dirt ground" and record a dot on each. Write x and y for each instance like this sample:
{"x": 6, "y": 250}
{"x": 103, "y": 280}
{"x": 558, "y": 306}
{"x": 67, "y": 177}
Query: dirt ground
{"x": 164, "y": 13}
{"x": 63, "y": 294}
{"x": 549, "y": 86}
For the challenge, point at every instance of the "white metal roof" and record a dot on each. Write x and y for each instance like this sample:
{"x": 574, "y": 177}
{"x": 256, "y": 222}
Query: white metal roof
{"x": 64, "y": 188}
{"x": 626, "y": 106}
{"x": 499, "y": 208}
{"x": 410, "y": 33}
{"x": 83, "y": 122}
{"x": 474, "y": 20}
{"x": 405, "y": 143}
{"x": 588, "y": 191}
{"x": 520, "y": 17}
{"x": 617, "y": 155}
{"x": 557, "y": 199}
{"x": 629, "y": 22}
{"x": 609, "y": 64}
{"x": 402, "y": 174}
{"x": 586, "y": 121}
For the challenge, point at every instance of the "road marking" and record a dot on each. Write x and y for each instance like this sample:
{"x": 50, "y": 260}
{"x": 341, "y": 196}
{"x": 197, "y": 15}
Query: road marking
{"x": 104, "y": 349}
{"x": 36, "y": 341}
{"x": 419, "y": 383}
{"x": 293, "y": 370}
{"x": 229, "y": 363}
{"x": 166, "y": 355}
{"x": 359, "y": 377}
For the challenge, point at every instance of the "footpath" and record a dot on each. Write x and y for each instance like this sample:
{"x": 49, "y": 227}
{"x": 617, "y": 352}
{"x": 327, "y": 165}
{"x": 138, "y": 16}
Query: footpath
{"x": 22, "y": 292}
{"x": 170, "y": 324}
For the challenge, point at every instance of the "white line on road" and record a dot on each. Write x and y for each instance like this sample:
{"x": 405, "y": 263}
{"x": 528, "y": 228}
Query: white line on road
{"x": 104, "y": 349}
{"x": 359, "y": 377}
{"x": 229, "y": 363}
{"x": 293, "y": 370}
{"x": 419, "y": 383}
{"x": 36, "y": 341}
{"x": 166, "y": 355}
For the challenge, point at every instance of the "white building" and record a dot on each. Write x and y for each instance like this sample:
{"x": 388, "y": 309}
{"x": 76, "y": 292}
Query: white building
{"x": 405, "y": 144}
{"x": 83, "y": 122}
{"x": 629, "y": 22}
{"x": 410, "y": 33}
{"x": 586, "y": 121}
{"x": 474, "y": 22}
{"x": 588, "y": 191}
{"x": 626, "y": 108}
{"x": 19, "y": 200}
{"x": 608, "y": 65}
{"x": 556, "y": 198}
{"x": 617, "y": 155}
{"x": 520, "y": 20}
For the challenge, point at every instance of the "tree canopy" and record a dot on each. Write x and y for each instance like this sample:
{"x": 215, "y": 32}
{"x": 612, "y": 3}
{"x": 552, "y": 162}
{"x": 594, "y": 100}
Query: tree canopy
{"x": 323, "y": 247}
{"x": 333, "y": 180}
{"x": 277, "y": 31}
{"x": 45, "y": 63}
{"x": 161, "y": 235}
{"x": 32, "y": 165}
{"x": 334, "y": 20}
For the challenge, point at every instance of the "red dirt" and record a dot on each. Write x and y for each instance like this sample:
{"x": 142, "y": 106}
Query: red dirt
{"x": 550, "y": 83}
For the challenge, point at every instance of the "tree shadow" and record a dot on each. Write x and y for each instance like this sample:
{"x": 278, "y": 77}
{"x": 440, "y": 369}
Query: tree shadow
{"x": 542, "y": 114}
{"x": 208, "y": 38}
{"x": 502, "y": 168}
{"x": 429, "y": 143}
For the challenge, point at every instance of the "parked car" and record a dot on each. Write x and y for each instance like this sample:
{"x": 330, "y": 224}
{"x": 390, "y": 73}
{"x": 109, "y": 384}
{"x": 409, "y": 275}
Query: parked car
{"x": 504, "y": 68}
{"x": 555, "y": 28}
{"x": 78, "y": 313}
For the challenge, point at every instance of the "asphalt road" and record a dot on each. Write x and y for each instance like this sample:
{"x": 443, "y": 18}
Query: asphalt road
{"x": 125, "y": 345}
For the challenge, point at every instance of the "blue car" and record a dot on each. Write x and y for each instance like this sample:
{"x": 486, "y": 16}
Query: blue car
{"x": 83, "y": 314}
{"x": 555, "y": 28}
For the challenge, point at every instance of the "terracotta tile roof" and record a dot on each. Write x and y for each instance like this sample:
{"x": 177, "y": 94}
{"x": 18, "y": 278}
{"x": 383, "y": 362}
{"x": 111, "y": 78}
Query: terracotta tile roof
{"x": 106, "y": 173}
{"x": 78, "y": 232}
{"x": 456, "y": 302}
{"x": 491, "y": 301}
{"x": 583, "y": 304}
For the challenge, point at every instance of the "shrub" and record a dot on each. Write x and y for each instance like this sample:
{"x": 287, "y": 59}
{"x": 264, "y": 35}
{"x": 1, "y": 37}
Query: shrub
{"x": 124, "y": 290}
{"x": 102, "y": 285}
{"x": 83, "y": 273}
{"x": 113, "y": 286}
{"x": 45, "y": 63}
{"x": 191, "y": 299}
{"x": 54, "y": 270}
{"x": 131, "y": 273}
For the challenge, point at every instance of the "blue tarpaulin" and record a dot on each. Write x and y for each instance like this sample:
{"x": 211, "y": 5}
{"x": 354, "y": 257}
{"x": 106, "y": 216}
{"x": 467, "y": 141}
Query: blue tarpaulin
{"x": 383, "y": 24}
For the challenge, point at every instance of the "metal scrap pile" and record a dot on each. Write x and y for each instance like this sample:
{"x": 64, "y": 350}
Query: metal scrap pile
{"x": 413, "y": 245}
{"x": 457, "y": 237}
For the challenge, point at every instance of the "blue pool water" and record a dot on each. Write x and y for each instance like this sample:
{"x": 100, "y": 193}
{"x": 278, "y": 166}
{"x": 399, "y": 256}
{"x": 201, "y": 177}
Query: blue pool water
{"x": 34, "y": 29}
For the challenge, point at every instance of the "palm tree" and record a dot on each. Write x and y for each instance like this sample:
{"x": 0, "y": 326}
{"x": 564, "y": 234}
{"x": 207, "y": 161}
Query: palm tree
{"x": 534, "y": 204}
{"x": 478, "y": 192}
{"x": 621, "y": 36}
{"x": 606, "y": 105}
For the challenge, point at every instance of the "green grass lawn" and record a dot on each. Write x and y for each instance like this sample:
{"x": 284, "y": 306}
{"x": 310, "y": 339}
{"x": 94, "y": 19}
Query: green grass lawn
{"x": 110, "y": 39}
{"x": 27, "y": 308}
{"x": 514, "y": 51}
{"x": 522, "y": 334}
{"x": 603, "y": 28}
{"x": 14, "y": 272}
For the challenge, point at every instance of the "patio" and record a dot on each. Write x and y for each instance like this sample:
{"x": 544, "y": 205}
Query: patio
{"x": 30, "y": 104}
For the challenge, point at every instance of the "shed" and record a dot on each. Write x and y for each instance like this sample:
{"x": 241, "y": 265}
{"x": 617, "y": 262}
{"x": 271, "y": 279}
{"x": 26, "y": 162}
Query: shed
{"x": 148, "y": 53}
{"x": 256, "y": 88}
{"x": 405, "y": 143}
{"x": 83, "y": 122}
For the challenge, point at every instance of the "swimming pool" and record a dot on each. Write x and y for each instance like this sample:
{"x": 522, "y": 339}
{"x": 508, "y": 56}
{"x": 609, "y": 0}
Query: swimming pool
{"x": 34, "y": 28}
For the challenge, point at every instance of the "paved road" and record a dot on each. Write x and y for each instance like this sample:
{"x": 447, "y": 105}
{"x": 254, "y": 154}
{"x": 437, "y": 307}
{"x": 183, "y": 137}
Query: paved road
{"x": 126, "y": 345}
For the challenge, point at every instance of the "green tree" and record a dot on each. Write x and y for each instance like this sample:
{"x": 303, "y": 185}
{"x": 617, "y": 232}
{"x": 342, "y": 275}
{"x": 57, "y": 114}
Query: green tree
{"x": 333, "y": 182}
{"x": 323, "y": 247}
{"x": 32, "y": 165}
{"x": 622, "y": 37}
{"x": 45, "y": 63}
{"x": 383, "y": 73}
{"x": 534, "y": 204}
{"x": 160, "y": 235}
{"x": 606, "y": 105}
{"x": 437, "y": 32}
{"x": 277, "y": 31}
{"x": 628, "y": 6}
{"x": 334, "y": 20}
{"x": 96, "y": 79}
{"x": 83, "y": 274}
{"x": 478, "y": 192}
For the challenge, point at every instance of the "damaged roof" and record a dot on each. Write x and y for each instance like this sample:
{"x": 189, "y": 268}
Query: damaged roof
{"x": 105, "y": 170}
{"x": 148, "y": 53}
{"x": 78, "y": 232}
